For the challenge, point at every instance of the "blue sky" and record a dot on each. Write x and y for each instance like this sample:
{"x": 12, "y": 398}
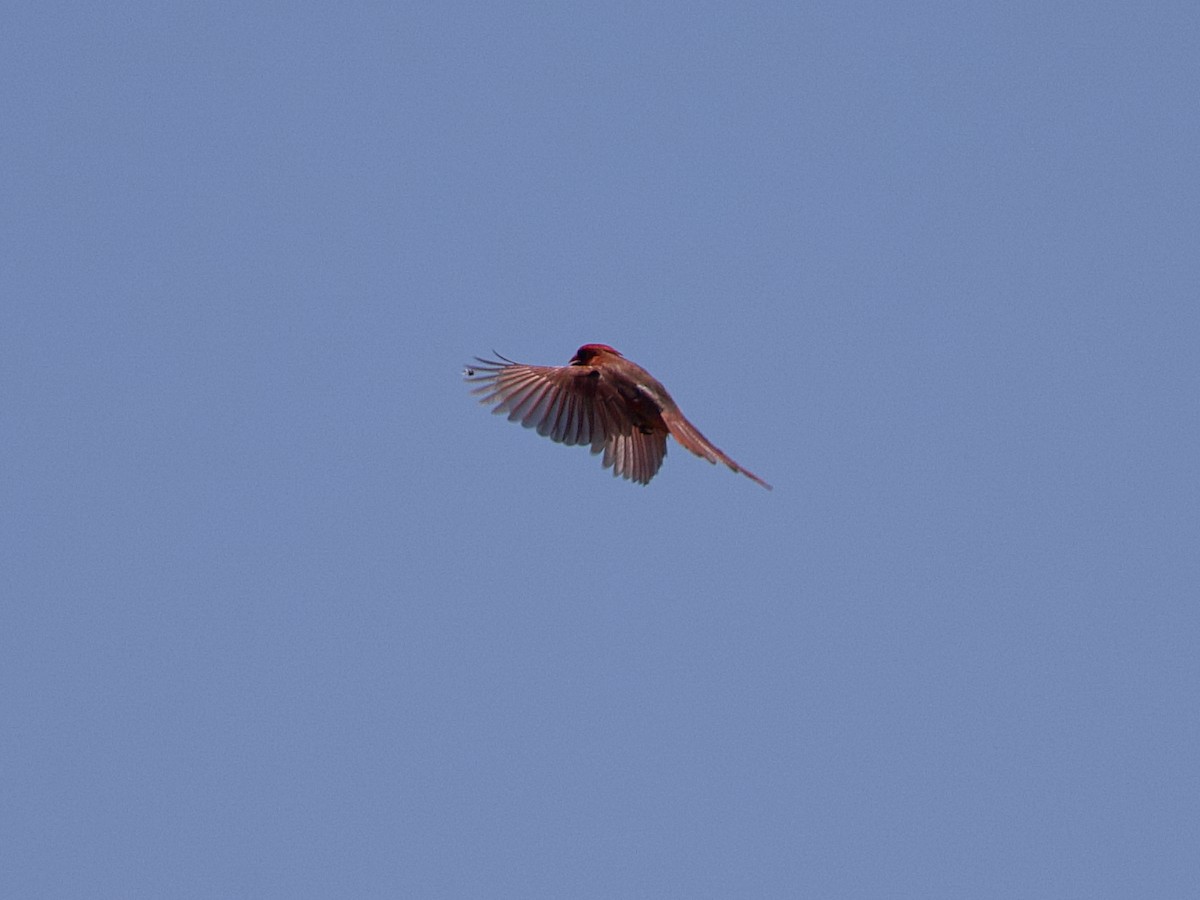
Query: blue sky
{"x": 286, "y": 613}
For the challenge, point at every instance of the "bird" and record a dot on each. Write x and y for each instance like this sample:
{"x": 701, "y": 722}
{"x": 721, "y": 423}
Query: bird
{"x": 600, "y": 399}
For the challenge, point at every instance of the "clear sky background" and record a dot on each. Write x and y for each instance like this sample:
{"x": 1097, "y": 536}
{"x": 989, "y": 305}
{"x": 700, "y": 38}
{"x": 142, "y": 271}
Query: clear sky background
{"x": 286, "y": 613}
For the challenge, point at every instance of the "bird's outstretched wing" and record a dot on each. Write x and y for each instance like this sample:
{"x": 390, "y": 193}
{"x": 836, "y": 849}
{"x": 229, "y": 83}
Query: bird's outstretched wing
{"x": 571, "y": 405}
{"x": 690, "y": 438}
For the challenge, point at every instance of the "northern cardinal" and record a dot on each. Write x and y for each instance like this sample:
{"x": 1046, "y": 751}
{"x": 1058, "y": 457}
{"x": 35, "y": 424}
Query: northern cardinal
{"x": 599, "y": 398}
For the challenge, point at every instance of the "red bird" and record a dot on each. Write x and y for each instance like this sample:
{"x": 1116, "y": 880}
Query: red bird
{"x": 602, "y": 399}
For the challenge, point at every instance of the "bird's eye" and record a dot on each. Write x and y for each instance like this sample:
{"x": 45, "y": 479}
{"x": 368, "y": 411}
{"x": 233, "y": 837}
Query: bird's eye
{"x": 468, "y": 371}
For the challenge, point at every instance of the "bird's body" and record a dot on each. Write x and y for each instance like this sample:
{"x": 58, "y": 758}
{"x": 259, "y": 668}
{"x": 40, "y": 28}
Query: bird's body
{"x": 602, "y": 399}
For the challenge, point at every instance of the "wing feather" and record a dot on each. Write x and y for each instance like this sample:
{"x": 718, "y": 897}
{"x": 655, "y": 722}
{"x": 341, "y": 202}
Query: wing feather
{"x": 570, "y": 405}
{"x": 690, "y": 438}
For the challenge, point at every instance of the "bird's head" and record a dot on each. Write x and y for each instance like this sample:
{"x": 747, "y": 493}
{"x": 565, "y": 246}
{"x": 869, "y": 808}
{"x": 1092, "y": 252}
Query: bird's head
{"x": 588, "y": 352}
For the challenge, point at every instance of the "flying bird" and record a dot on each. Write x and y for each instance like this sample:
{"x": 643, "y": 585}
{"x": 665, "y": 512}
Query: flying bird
{"x": 599, "y": 398}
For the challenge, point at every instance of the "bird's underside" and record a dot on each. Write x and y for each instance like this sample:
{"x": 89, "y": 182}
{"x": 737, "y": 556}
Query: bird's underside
{"x": 601, "y": 400}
